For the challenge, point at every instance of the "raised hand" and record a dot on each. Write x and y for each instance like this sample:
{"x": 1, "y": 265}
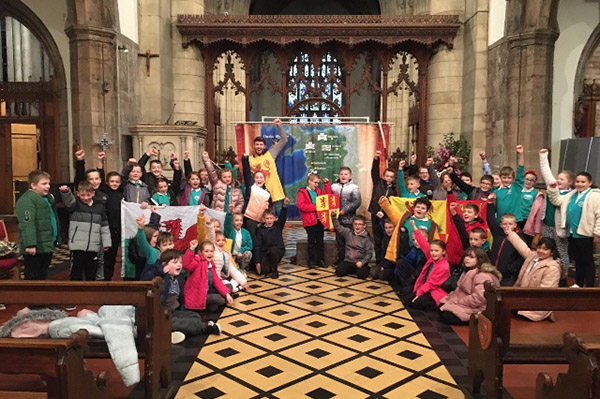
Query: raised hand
{"x": 193, "y": 245}
{"x": 131, "y": 161}
{"x": 141, "y": 221}
{"x": 202, "y": 209}
{"x": 277, "y": 121}
{"x": 429, "y": 161}
{"x": 325, "y": 180}
{"x": 544, "y": 151}
{"x": 413, "y": 224}
{"x": 380, "y": 215}
{"x": 402, "y": 164}
{"x": 491, "y": 197}
{"x": 176, "y": 164}
{"x": 377, "y": 154}
{"x": 186, "y": 155}
{"x": 64, "y": 189}
{"x": 452, "y": 206}
{"x": 482, "y": 155}
{"x": 520, "y": 149}
{"x": 286, "y": 201}
{"x": 152, "y": 151}
{"x": 101, "y": 155}
{"x": 153, "y": 208}
{"x": 80, "y": 154}
{"x": 413, "y": 159}
{"x": 144, "y": 205}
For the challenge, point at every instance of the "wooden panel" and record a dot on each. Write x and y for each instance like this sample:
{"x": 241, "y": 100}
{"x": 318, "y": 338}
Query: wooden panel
{"x": 6, "y": 201}
{"x": 23, "y": 128}
{"x": 24, "y": 151}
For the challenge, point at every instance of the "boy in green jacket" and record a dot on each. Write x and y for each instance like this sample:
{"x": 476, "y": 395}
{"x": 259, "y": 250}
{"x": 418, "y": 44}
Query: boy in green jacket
{"x": 38, "y": 225}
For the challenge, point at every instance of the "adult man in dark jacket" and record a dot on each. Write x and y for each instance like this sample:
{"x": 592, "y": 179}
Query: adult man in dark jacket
{"x": 385, "y": 187}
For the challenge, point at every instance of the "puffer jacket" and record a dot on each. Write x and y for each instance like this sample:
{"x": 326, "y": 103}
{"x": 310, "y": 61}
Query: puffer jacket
{"x": 431, "y": 281}
{"x": 350, "y": 199}
{"x": 219, "y": 190}
{"x": 136, "y": 193}
{"x": 196, "y": 285}
{"x": 88, "y": 225}
{"x": 468, "y": 298}
{"x": 359, "y": 247}
{"x": 35, "y": 222}
{"x": 589, "y": 225}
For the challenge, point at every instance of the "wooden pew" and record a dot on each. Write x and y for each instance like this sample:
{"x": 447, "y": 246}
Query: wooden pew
{"x": 153, "y": 322}
{"x": 582, "y": 380}
{"x": 60, "y": 363}
{"x": 491, "y": 344}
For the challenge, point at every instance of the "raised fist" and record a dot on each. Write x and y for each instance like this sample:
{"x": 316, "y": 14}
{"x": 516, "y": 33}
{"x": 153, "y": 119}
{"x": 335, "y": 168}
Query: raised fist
{"x": 141, "y": 221}
{"x": 377, "y": 154}
{"x": 520, "y": 149}
{"x": 64, "y": 189}
{"x": 402, "y": 164}
{"x": 186, "y": 154}
{"x": 544, "y": 151}
{"x": 80, "y": 154}
{"x": 413, "y": 158}
{"x": 101, "y": 155}
{"x": 277, "y": 121}
{"x": 482, "y": 155}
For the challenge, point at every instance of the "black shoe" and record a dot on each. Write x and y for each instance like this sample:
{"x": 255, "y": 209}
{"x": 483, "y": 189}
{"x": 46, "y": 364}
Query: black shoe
{"x": 235, "y": 295}
{"x": 321, "y": 263}
{"x": 275, "y": 274}
{"x": 213, "y": 328}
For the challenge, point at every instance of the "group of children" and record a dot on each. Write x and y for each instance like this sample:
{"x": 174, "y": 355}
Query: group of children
{"x": 406, "y": 246}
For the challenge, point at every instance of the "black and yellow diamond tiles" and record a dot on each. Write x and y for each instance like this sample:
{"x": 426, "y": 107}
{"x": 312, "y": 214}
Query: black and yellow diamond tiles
{"x": 311, "y": 334}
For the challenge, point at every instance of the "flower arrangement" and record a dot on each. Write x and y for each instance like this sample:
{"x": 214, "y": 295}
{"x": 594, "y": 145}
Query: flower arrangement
{"x": 450, "y": 146}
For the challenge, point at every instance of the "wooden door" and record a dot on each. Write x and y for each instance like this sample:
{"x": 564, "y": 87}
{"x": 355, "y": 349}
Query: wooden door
{"x": 24, "y": 150}
{"x": 6, "y": 198}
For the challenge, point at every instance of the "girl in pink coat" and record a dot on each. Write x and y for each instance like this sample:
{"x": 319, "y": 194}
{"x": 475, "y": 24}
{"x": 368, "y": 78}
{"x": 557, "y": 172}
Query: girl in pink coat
{"x": 428, "y": 290}
{"x": 203, "y": 287}
{"x": 468, "y": 297}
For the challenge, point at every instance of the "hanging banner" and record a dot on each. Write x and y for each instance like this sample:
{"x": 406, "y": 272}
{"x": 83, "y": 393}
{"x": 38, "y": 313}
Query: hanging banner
{"x": 321, "y": 149}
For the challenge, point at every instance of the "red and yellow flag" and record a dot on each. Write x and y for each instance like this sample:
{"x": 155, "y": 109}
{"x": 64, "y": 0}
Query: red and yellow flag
{"x": 325, "y": 204}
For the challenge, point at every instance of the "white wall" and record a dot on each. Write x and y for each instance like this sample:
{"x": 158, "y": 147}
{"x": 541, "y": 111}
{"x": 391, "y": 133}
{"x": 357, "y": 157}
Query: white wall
{"x": 128, "y": 19}
{"x": 576, "y": 20}
{"x": 497, "y": 17}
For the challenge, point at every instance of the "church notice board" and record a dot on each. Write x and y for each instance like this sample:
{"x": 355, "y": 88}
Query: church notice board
{"x": 321, "y": 149}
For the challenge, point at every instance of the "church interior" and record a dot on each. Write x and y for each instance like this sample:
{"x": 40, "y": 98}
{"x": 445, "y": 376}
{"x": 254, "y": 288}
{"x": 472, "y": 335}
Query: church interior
{"x": 178, "y": 79}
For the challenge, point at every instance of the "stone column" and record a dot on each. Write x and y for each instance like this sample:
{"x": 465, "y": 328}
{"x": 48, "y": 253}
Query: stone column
{"x": 474, "y": 83}
{"x": 522, "y": 95}
{"x": 91, "y": 31}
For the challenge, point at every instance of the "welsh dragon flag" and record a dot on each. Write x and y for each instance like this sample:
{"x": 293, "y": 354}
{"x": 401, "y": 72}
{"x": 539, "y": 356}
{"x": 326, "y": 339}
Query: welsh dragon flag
{"x": 178, "y": 220}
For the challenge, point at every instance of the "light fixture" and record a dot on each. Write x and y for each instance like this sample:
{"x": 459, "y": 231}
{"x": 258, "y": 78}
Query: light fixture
{"x": 123, "y": 49}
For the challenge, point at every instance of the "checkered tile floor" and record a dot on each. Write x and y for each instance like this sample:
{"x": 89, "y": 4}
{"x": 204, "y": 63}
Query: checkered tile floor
{"x": 310, "y": 334}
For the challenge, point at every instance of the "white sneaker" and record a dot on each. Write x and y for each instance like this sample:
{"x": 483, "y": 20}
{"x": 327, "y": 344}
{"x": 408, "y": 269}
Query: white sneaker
{"x": 177, "y": 337}
{"x": 70, "y": 307}
{"x": 214, "y": 328}
{"x": 2, "y": 306}
{"x": 574, "y": 286}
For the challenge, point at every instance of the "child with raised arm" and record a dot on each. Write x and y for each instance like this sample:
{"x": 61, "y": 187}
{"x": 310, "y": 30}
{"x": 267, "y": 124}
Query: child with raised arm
{"x": 225, "y": 190}
{"x": 184, "y": 323}
{"x": 508, "y": 197}
{"x": 503, "y": 254}
{"x": 359, "y": 247}
{"x": 350, "y": 200}
{"x": 382, "y": 186}
{"x": 134, "y": 189}
{"x": 428, "y": 291}
{"x": 307, "y": 205}
{"x": 269, "y": 246}
{"x": 38, "y": 225}
{"x": 204, "y": 289}
{"x": 409, "y": 187}
{"x": 88, "y": 230}
{"x": 564, "y": 181}
{"x": 486, "y": 183}
{"x": 541, "y": 268}
{"x": 580, "y": 222}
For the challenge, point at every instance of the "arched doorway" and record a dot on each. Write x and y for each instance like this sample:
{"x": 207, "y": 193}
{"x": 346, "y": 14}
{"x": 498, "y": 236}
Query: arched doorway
{"x": 32, "y": 79}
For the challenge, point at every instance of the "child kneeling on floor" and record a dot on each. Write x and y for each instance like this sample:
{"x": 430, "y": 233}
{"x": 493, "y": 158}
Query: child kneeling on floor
{"x": 184, "y": 322}
{"x": 358, "y": 248}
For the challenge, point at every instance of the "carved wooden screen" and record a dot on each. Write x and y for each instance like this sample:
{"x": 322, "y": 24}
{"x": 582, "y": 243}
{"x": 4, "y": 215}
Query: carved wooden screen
{"x": 317, "y": 65}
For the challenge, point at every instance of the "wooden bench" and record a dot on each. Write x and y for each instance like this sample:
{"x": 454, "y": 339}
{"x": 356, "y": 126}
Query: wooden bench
{"x": 582, "y": 380}
{"x": 491, "y": 344}
{"x": 60, "y": 363}
{"x": 153, "y": 322}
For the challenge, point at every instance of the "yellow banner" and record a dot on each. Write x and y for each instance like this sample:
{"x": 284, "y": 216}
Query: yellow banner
{"x": 437, "y": 213}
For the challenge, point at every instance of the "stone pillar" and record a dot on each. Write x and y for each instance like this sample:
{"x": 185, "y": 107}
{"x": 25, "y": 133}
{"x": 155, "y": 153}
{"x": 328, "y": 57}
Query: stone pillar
{"x": 474, "y": 82}
{"x": 91, "y": 31}
{"x": 188, "y": 68}
{"x": 521, "y": 98}
{"x": 445, "y": 78}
